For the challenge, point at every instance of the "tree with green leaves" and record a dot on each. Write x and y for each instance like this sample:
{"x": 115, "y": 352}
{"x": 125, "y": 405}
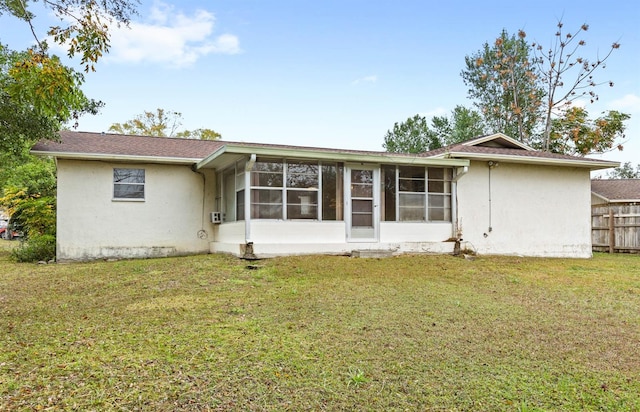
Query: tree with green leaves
{"x": 466, "y": 124}
{"x": 626, "y": 171}
{"x": 38, "y": 94}
{"x": 524, "y": 92}
{"x": 162, "y": 123}
{"x": 575, "y": 133}
{"x": 416, "y": 136}
{"x": 411, "y": 136}
{"x": 504, "y": 86}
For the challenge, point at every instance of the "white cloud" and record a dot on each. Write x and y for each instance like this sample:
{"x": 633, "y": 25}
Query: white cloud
{"x": 629, "y": 102}
{"x": 438, "y": 111}
{"x": 170, "y": 37}
{"x": 367, "y": 79}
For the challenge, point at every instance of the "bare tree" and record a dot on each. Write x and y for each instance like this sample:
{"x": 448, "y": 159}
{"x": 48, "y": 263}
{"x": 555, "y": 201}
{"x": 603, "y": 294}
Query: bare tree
{"x": 558, "y": 61}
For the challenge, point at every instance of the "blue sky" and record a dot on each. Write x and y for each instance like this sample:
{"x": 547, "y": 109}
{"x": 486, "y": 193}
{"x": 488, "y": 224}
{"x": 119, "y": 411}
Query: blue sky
{"x": 333, "y": 73}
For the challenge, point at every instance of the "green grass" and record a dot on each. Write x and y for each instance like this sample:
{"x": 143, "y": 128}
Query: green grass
{"x": 322, "y": 333}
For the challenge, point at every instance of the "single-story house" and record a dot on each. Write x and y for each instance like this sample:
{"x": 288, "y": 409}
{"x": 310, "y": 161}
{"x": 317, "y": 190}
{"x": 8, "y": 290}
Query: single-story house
{"x": 125, "y": 196}
{"x": 615, "y": 215}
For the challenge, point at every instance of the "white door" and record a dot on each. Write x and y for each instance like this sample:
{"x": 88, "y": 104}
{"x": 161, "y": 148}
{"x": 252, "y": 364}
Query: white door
{"x": 362, "y": 207}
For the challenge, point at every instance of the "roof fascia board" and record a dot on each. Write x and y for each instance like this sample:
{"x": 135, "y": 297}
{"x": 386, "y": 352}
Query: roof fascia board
{"x": 624, "y": 200}
{"x": 116, "y": 158}
{"x": 600, "y": 196}
{"x": 595, "y": 165}
{"x": 319, "y": 154}
{"x": 498, "y": 136}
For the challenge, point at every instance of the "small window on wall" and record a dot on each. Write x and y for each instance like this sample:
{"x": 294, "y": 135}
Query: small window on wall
{"x": 128, "y": 184}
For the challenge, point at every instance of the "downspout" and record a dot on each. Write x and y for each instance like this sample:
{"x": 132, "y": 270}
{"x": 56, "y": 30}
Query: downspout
{"x": 202, "y": 233}
{"x": 492, "y": 165}
{"x": 457, "y": 227}
{"x": 248, "y": 249}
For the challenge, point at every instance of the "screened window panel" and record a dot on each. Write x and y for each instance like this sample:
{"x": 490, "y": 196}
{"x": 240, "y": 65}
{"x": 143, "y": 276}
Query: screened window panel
{"x": 302, "y": 175}
{"x": 263, "y": 165}
{"x": 411, "y": 172}
{"x": 389, "y": 193}
{"x": 411, "y": 185}
{"x": 362, "y": 206}
{"x": 266, "y": 196}
{"x": 302, "y": 204}
{"x": 266, "y": 204}
{"x": 362, "y": 176}
{"x": 439, "y": 214}
{"x": 332, "y": 193}
{"x": 240, "y": 204}
{"x": 412, "y": 207}
{"x": 439, "y": 201}
{"x": 362, "y": 220}
{"x": 412, "y": 200}
{"x": 267, "y": 179}
{"x": 361, "y": 190}
{"x": 411, "y": 214}
{"x": 266, "y": 211}
{"x": 229, "y": 196}
{"x": 439, "y": 186}
{"x": 436, "y": 173}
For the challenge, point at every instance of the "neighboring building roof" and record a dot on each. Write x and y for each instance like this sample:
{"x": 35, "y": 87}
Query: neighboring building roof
{"x": 617, "y": 190}
{"x": 501, "y": 147}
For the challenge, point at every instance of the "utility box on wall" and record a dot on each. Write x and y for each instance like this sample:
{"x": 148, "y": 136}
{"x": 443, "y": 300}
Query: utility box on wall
{"x": 216, "y": 217}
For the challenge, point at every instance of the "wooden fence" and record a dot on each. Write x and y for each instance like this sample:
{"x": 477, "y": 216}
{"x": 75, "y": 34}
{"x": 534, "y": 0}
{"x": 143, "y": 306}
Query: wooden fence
{"x": 615, "y": 228}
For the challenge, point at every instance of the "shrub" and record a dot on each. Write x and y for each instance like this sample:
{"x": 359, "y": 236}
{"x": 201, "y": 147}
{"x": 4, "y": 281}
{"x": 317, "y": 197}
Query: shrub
{"x": 36, "y": 248}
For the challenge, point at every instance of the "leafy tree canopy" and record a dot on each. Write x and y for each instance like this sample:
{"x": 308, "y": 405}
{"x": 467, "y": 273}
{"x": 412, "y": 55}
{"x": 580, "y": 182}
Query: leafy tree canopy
{"x": 415, "y": 136}
{"x": 38, "y": 94}
{"x": 527, "y": 92}
{"x": 162, "y": 123}
{"x": 504, "y": 86}
{"x": 625, "y": 171}
{"x": 575, "y": 133}
{"x": 411, "y": 136}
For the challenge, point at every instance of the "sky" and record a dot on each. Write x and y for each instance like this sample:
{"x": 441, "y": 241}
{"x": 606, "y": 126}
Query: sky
{"x": 333, "y": 73}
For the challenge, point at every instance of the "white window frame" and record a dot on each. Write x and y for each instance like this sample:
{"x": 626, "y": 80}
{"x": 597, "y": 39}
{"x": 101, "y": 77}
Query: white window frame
{"x": 142, "y": 198}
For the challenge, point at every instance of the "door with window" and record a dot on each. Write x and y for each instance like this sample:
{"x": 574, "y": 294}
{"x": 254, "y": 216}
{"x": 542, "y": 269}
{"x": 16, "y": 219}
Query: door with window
{"x": 362, "y": 206}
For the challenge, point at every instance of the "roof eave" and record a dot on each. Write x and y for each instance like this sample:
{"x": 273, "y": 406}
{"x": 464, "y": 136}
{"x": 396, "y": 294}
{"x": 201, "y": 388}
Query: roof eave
{"x": 319, "y": 154}
{"x": 623, "y": 200}
{"x": 511, "y": 140}
{"x": 590, "y": 164}
{"x": 116, "y": 157}
{"x": 600, "y": 196}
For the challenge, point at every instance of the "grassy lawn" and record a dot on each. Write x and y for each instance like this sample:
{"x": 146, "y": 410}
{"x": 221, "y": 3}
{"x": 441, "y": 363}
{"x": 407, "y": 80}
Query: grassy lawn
{"x": 322, "y": 333}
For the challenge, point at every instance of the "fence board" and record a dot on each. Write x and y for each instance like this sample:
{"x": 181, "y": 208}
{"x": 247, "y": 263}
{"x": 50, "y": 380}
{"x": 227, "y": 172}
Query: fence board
{"x": 615, "y": 228}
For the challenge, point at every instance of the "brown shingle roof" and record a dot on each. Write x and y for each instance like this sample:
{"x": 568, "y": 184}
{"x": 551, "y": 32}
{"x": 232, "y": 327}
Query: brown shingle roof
{"x": 86, "y": 144}
{"x": 617, "y": 189}
{"x": 131, "y": 145}
{"x": 502, "y": 151}
{"x": 127, "y": 145}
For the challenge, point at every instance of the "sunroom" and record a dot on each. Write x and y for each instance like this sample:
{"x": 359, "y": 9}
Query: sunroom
{"x": 280, "y": 200}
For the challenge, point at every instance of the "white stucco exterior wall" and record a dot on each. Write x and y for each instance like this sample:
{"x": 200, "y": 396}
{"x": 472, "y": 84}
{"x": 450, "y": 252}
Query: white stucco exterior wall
{"x": 172, "y": 219}
{"x": 534, "y": 210}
